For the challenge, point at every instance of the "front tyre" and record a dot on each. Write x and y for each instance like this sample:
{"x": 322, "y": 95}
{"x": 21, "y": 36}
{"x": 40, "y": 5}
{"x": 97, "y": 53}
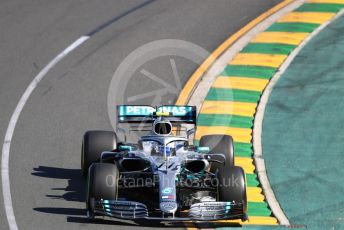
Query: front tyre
{"x": 93, "y": 144}
{"x": 102, "y": 183}
{"x": 232, "y": 187}
{"x": 219, "y": 144}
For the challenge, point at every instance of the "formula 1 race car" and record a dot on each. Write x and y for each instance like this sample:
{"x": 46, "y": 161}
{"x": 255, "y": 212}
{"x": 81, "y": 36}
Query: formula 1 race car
{"x": 162, "y": 176}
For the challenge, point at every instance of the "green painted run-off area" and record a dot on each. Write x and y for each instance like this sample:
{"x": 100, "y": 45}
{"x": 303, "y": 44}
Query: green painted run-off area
{"x": 303, "y": 133}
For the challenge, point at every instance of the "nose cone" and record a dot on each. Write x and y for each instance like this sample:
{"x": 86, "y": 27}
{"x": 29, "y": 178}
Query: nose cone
{"x": 168, "y": 207}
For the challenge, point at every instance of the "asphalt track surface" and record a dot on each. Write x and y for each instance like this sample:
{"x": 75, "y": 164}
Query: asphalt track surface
{"x": 46, "y": 185}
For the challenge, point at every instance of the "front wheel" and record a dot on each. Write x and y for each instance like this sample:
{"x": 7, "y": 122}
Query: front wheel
{"x": 232, "y": 187}
{"x": 93, "y": 144}
{"x": 219, "y": 144}
{"x": 102, "y": 183}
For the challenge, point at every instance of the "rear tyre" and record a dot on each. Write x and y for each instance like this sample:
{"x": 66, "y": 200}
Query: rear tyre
{"x": 231, "y": 187}
{"x": 102, "y": 183}
{"x": 93, "y": 144}
{"x": 219, "y": 144}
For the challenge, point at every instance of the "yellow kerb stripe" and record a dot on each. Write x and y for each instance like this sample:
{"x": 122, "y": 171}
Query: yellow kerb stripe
{"x": 327, "y": 1}
{"x": 280, "y": 37}
{"x": 256, "y": 220}
{"x": 243, "y": 83}
{"x": 253, "y": 59}
{"x": 229, "y": 107}
{"x": 307, "y": 17}
{"x": 255, "y": 198}
{"x": 254, "y": 194}
{"x": 253, "y": 190}
{"x": 238, "y": 134}
{"x": 246, "y": 163}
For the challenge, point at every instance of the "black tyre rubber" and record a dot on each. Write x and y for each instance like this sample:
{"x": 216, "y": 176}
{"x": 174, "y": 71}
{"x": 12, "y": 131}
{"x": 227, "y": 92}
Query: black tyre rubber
{"x": 93, "y": 144}
{"x": 231, "y": 186}
{"x": 219, "y": 144}
{"x": 102, "y": 183}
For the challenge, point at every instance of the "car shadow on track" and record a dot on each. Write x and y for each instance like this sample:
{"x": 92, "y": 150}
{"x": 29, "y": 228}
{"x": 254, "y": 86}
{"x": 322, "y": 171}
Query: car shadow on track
{"x": 75, "y": 192}
{"x": 75, "y": 189}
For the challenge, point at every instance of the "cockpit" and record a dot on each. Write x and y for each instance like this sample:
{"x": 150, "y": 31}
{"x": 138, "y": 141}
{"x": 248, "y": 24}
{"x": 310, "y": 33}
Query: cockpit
{"x": 163, "y": 147}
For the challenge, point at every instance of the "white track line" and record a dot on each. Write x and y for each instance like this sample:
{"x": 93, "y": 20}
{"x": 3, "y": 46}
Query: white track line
{"x": 258, "y": 123}
{"x": 6, "y": 191}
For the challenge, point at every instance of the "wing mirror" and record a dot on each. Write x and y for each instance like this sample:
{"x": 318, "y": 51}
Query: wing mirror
{"x": 216, "y": 158}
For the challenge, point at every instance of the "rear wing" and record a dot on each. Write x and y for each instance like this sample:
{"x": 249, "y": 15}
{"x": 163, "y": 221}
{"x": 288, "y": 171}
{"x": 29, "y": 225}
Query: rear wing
{"x": 147, "y": 114}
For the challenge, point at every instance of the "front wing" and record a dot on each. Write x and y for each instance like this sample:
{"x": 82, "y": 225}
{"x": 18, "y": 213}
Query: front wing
{"x": 206, "y": 211}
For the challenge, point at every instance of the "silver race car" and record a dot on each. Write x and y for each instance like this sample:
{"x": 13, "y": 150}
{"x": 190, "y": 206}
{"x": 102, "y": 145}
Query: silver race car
{"x": 162, "y": 176}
